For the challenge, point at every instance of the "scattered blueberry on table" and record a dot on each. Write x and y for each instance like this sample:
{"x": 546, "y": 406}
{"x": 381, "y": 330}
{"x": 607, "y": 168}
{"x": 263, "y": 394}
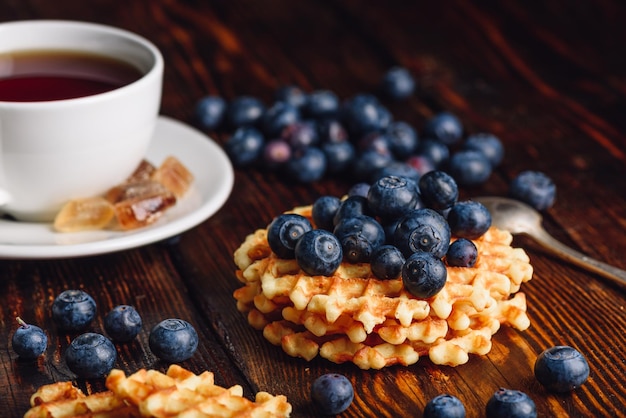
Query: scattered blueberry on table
{"x": 561, "y": 369}
{"x": 122, "y": 323}
{"x": 444, "y": 406}
{"x": 91, "y": 355}
{"x": 173, "y": 340}
{"x": 73, "y": 310}
{"x": 29, "y": 341}
{"x": 332, "y": 393}
{"x": 509, "y": 403}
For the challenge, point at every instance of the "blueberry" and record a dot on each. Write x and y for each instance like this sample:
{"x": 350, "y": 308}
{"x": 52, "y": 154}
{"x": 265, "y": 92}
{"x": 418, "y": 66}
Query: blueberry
{"x": 73, "y": 310}
{"x": 438, "y": 190}
{"x": 332, "y": 393}
{"x": 359, "y": 189}
{"x": 367, "y": 165}
{"x": 533, "y": 188}
{"x": 386, "y": 262}
{"x": 462, "y": 253}
{"x": 244, "y": 111}
{"x": 375, "y": 141}
{"x": 300, "y": 134}
{"x": 353, "y": 205}
{"x": 391, "y": 197}
{"x": 398, "y": 169}
{"x": 403, "y": 140}
{"x": 445, "y": 127}
{"x": 322, "y": 104}
{"x": 29, "y": 341}
{"x": 561, "y": 369}
{"x": 90, "y": 355}
{"x": 210, "y": 111}
{"x": 339, "y": 156}
{"x": 436, "y": 151}
{"x": 284, "y": 232}
{"x": 318, "y": 253}
{"x": 422, "y": 230}
{"x": 469, "y": 219}
{"x": 424, "y": 275}
{"x": 276, "y": 153}
{"x": 332, "y": 131}
{"x": 122, "y": 323}
{"x": 363, "y": 114}
{"x": 469, "y": 168}
{"x": 245, "y": 146}
{"x": 508, "y": 403}
{"x": 306, "y": 165}
{"x": 277, "y": 117}
{"x": 323, "y": 211}
{"x": 173, "y": 340}
{"x": 293, "y": 95}
{"x": 489, "y": 144}
{"x": 398, "y": 83}
{"x": 444, "y": 406}
{"x": 359, "y": 236}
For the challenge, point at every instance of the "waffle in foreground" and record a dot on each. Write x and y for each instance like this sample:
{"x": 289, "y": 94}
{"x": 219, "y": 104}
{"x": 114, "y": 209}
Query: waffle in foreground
{"x": 150, "y": 393}
{"x": 354, "y": 317}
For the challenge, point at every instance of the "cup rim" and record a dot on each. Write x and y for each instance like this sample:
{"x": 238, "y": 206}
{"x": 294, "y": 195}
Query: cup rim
{"x": 155, "y": 70}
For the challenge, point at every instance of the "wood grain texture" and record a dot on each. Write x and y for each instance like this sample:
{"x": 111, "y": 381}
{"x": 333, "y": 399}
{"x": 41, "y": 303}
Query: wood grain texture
{"x": 548, "y": 78}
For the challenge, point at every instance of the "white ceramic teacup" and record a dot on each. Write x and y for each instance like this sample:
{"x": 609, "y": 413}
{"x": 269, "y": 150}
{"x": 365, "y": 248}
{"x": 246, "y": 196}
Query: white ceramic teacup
{"x": 53, "y": 151}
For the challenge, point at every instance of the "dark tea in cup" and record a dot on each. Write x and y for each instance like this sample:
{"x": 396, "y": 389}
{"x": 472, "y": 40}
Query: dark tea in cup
{"x": 46, "y": 75}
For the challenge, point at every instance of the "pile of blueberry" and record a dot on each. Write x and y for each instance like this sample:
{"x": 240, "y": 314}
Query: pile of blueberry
{"x": 559, "y": 369}
{"x": 309, "y": 136}
{"x": 93, "y": 355}
{"x": 401, "y": 227}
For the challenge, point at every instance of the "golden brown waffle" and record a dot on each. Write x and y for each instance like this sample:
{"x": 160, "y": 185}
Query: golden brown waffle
{"x": 150, "y": 393}
{"x": 352, "y": 316}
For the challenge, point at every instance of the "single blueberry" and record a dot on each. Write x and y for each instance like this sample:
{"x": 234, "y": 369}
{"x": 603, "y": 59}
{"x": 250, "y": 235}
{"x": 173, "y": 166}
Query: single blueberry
{"x": 323, "y": 212}
{"x": 300, "y": 134}
{"x": 29, "y": 341}
{"x": 353, "y": 205}
{"x": 424, "y": 275}
{"x": 332, "y": 393}
{"x": 363, "y": 114}
{"x": 375, "y": 141}
{"x": 398, "y": 83}
{"x": 318, "y": 253}
{"x": 90, "y": 355}
{"x": 332, "y": 131}
{"x": 244, "y": 111}
{"x": 422, "y": 230}
{"x": 339, "y": 156}
{"x": 508, "y": 403}
{"x": 284, "y": 232}
{"x": 277, "y": 117}
{"x": 462, "y": 253}
{"x": 561, "y": 369}
{"x": 359, "y": 236}
{"x": 403, "y": 139}
{"x": 436, "y": 151}
{"x": 444, "y": 406}
{"x": 445, "y": 127}
{"x": 387, "y": 262}
{"x": 173, "y": 340}
{"x": 306, "y": 165}
{"x": 322, "y": 104}
{"x": 391, "y": 197}
{"x": 276, "y": 153}
{"x": 291, "y": 94}
{"x": 469, "y": 219}
{"x": 533, "y": 188}
{"x": 359, "y": 189}
{"x": 438, "y": 190}
{"x": 210, "y": 111}
{"x": 245, "y": 146}
{"x": 469, "y": 168}
{"x": 122, "y": 323}
{"x": 73, "y": 310}
{"x": 489, "y": 144}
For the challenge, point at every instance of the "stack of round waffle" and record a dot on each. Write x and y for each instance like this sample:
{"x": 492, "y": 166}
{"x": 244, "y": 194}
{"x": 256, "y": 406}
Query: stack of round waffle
{"x": 352, "y": 316}
{"x": 150, "y": 393}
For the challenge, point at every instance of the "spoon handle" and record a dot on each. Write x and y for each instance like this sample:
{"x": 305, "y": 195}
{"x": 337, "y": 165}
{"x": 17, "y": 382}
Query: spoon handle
{"x": 550, "y": 243}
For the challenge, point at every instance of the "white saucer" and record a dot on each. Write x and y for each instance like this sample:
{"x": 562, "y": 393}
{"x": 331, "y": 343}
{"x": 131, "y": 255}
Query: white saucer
{"x": 213, "y": 182}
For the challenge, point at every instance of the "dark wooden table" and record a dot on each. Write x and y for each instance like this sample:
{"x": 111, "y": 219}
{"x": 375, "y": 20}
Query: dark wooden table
{"x": 549, "y": 80}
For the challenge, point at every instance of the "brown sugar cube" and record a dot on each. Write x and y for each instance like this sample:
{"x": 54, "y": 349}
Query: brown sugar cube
{"x": 140, "y": 204}
{"x": 84, "y": 214}
{"x": 143, "y": 172}
{"x": 174, "y": 175}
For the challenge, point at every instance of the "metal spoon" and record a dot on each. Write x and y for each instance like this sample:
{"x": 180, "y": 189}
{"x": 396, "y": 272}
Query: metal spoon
{"x": 519, "y": 218}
